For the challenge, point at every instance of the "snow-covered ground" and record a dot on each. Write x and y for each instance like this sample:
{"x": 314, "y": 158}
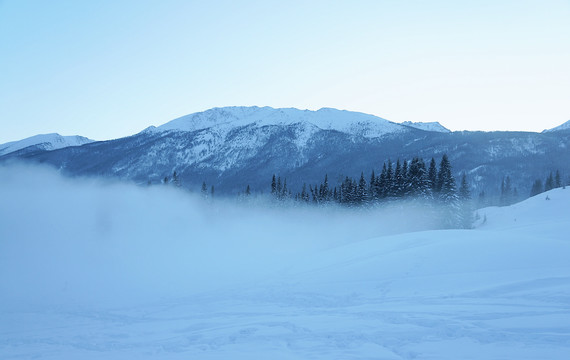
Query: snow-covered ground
{"x": 92, "y": 270}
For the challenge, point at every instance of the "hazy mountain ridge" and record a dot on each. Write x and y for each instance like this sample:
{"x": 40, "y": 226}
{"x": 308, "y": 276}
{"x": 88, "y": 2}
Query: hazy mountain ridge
{"x": 562, "y": 127}
{"x": 45, "y": 142}
{"x": 233, "y": 147}
{"x": 427, "y": 126}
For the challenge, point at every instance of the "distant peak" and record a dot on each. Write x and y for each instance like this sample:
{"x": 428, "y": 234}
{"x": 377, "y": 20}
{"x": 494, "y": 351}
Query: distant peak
{"x": 427, "y": 126}
{"x": 51, "y": 141}
{"x": 564, "y": 126}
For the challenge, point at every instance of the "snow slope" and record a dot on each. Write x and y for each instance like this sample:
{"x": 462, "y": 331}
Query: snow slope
{"x": 45, "y": 142}
{"x": 93, "y": 270}
{"x": 226, "y": 118}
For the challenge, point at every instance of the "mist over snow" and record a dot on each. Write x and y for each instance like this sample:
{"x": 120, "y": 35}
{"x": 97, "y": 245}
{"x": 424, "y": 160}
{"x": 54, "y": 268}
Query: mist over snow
{"x": 88, "y": 241}
{"x": 92, "y": 269}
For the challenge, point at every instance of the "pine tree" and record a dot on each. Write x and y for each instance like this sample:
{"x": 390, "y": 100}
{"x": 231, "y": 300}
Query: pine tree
{"x": 362, "y": 195}
{"x": 373, "y": 187}
{"x": 506, "y": 191}
{"x": 279, "y": 188}
{"x": 536, "y": 188}
{"x": 204, "y": 190}
{"x": 549, "y": 183}
{"x": 404, "y": 184}
{"x": 304, "y": 194}
{"x": 273, "y": 186}
{"x": 447, "y": 193}
{"x": 247, "y": 190}
{"x": 382, "y": 183}
{"x": 175, "y": 179}
{"x": 325, "y": 191}
{"x": 446, "y": 181}
{"x": 398, "y": 180}
{"x": 432, "y": 175}
{"x": 212, "y": 191}
{"x": 557, "y": 181}
{"x": 466, "y": 211}
{"x": 389, "y": 181}
{"x": 284, "y": 191}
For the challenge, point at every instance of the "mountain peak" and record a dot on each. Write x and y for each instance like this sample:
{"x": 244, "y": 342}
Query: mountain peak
{"x": 50, "y": 141}
{"x": 225, "y": 118}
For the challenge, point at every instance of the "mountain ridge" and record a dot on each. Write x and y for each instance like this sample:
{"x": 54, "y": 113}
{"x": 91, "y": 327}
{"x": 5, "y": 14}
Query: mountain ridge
{"x": 238, "y": 146}
{"x": 51, "y": 141}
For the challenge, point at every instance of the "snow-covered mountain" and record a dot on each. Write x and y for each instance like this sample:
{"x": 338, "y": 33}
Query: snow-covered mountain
{"x": 233, "y": 147}
{"x": 43, "y": 142}
{"x": 223, "y": 120}
{"x": 427, "y": 126}
{"x": 565, "y": 126}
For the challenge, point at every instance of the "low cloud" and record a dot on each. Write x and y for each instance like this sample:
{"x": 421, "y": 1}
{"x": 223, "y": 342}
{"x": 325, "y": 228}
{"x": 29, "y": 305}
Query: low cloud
{"x": 91, "y": 242}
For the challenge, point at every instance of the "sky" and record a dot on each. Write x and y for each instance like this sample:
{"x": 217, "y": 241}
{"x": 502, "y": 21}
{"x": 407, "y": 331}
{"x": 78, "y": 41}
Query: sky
{"x": 107, "y": 69}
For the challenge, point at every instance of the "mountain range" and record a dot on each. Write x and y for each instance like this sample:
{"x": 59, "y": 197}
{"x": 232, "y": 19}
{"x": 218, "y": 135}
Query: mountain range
{"x": 232, "y": 147}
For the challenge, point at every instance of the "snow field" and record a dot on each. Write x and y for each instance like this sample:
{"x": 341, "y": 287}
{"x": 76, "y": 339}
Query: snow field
{"x": 93, "y": 270}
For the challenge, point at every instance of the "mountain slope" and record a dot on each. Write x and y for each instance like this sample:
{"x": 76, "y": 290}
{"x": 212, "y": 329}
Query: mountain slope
{"x": 43, "y": 142}
{"x": 427, "y": 126}
{"x": 231, "y": 148}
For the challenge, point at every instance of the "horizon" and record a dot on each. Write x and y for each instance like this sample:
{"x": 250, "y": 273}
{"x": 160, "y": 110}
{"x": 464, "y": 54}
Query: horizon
{"x": 107, "y": 70}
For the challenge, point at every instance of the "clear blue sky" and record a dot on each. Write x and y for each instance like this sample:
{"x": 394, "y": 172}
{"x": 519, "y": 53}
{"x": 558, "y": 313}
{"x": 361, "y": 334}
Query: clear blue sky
{"x": 106, "y": 69}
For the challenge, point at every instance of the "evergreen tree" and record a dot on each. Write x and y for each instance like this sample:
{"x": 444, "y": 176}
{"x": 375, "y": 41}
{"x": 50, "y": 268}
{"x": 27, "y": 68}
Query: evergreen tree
{"x": 324, "y": 192}
{"x": 506, "y": 191}
{"x": 549, "y": 183}
{"x": 536, "y": 188}
{"x": 382, "y": 183}
{"x": 432, "y": 175}
{"x": 273, "y": 186}
{"x": 417, "y": 184}
{"x": 482, "y": 202}
{"x": 247, "y": 190}
{"x": 279, "y": 188}
{"x": 212, "y": 192}
{"x": 398, "y": 180}
{"x": 404, "y": 185}
{"x": 466, "y": 211}
{"x": 204, "y": 190}
{"x": 557, "y": 181}
{"x": 362, "y": 195}
{"x": 166, "y": 180}
{"x": 284, "y": 191}
{"x": 304, "y": 194}
{"x": 176, "y": 180}
{"x": 373, "y": 187}
{"x": 389, "y": 181}
{"x": 446, "y": 181}
{"x": 447, "y": 193}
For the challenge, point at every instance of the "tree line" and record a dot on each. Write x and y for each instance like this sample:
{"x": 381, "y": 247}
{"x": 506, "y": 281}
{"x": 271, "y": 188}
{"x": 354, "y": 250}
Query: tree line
{"x": 410, "y": 180}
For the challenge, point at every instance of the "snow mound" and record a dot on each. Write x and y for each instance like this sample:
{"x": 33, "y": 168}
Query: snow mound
{"x": 544, "y": 209}
{"x": 45, "y": 142}
{"x": 427, "y": 126}
{"x": 225, "y": 118}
